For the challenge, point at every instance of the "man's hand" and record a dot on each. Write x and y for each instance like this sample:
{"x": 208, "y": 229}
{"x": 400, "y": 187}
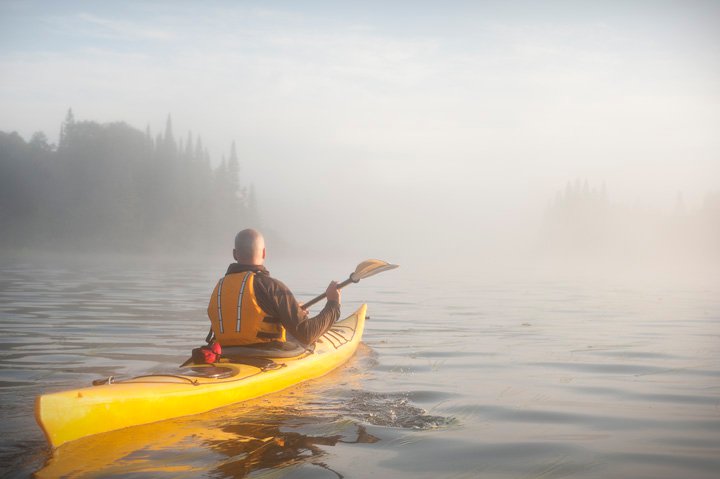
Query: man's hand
{"x": 332, "y": 292}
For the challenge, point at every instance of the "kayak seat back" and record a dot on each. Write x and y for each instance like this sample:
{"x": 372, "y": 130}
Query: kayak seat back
{"x": 274, "y": 349}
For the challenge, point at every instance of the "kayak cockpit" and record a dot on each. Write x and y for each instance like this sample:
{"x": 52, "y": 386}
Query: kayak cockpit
{"x": 213, "y": 372}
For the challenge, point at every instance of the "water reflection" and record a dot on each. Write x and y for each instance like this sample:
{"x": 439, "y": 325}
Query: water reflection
{"x": 231, "y": 442}
{"x": 266, "y": 446}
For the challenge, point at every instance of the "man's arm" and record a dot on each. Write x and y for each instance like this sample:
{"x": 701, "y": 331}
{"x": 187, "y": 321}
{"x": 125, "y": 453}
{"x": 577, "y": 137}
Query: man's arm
{"x": 276, "y": 299}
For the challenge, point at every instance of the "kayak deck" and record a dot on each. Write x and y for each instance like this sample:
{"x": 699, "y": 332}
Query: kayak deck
{"x": 69, "y": 415}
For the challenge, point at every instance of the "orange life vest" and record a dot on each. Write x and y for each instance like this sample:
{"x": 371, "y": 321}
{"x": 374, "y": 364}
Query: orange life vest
{"x": 235, "y": 316}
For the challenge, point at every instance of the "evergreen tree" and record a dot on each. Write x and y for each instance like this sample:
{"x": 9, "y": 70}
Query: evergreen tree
{"x": 66, "y": 128}
{"x": 199, "y": 152}
{"x": 169, "y": 139}
{"x": 189, "y": 147}
{"x": 233, "y": 172}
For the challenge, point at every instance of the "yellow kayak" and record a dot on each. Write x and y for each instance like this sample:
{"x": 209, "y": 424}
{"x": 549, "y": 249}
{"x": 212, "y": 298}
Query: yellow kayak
{"x": 69, "y": 415}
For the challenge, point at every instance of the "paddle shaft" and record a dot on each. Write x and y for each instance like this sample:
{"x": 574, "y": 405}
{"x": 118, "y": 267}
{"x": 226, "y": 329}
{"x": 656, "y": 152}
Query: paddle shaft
{"x": 323, "y": 296}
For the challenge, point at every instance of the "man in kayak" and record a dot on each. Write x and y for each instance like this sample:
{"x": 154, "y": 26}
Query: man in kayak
{"x": 248, "y": 307}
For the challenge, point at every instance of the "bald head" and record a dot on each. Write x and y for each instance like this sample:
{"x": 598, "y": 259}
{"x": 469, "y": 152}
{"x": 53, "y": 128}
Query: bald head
{"x": 249, "y": 247}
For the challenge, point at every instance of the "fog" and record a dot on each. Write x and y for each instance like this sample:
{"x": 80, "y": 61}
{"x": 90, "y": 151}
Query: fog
{"x": 479, "y": 135}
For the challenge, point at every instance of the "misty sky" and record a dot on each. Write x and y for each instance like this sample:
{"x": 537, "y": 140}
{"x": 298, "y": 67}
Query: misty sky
{"x": 392, "y": 122}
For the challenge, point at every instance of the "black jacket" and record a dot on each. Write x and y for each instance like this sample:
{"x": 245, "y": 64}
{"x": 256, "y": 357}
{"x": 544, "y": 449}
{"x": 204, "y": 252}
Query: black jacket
{"x": 277, "y": 301}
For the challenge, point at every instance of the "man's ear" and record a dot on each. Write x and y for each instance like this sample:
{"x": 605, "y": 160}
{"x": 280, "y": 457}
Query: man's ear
{"x": 235, "y": 254}
{"x": 263, "y": 253}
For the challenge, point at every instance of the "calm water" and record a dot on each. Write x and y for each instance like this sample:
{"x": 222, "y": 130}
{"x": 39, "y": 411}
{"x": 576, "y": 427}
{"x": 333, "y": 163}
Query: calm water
{"x": 459, "y": 377}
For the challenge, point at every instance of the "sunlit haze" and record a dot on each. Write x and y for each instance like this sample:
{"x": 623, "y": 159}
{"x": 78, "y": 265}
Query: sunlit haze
{"x": 457, "y": 133}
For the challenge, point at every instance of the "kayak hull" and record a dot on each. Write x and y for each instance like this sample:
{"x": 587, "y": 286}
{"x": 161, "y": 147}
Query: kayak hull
{"x": 70, "y": 415}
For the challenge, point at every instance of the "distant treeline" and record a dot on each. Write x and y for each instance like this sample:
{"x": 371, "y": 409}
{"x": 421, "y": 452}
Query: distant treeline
{"x": 111, "y": 187}
{"x": 581, "y": 222}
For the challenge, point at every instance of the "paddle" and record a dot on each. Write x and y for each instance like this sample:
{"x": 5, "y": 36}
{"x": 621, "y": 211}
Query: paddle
{"x": 367, "y": 268}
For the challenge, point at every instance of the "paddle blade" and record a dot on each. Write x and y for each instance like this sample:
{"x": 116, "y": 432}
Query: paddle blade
{"x": 369, "y": 268}
{"x": 365, "y": 269}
